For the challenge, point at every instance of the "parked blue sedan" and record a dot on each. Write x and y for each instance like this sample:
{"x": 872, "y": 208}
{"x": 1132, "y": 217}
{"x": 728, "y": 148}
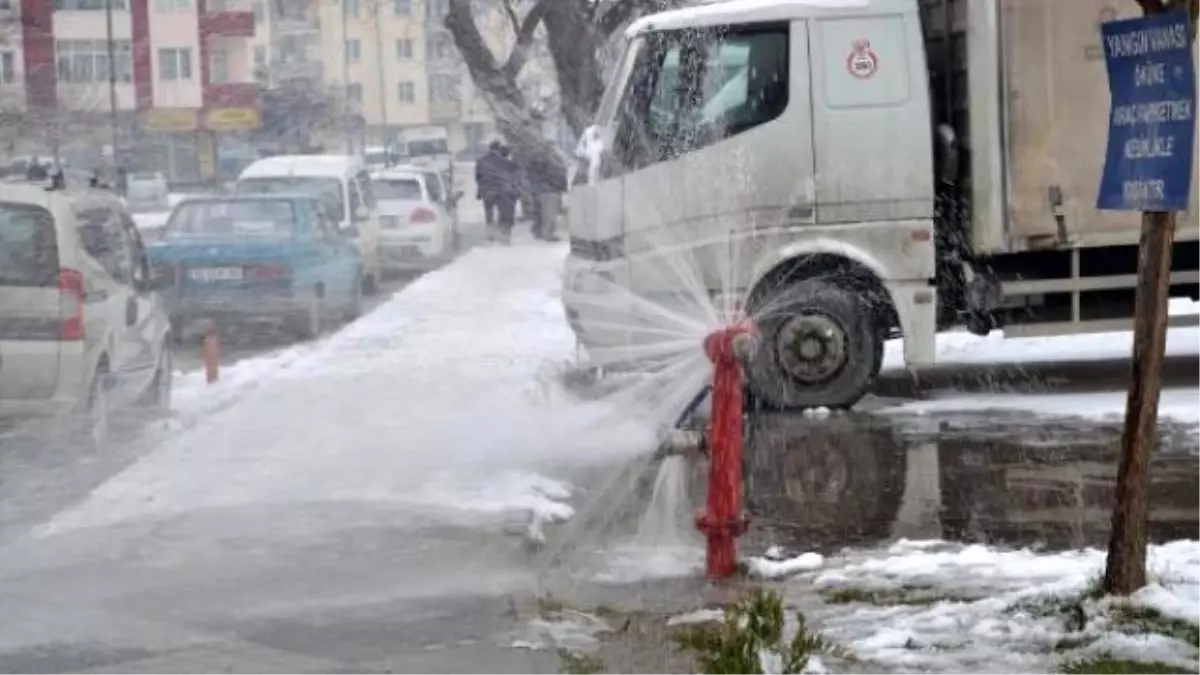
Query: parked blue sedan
{"x": 257, "y": 258}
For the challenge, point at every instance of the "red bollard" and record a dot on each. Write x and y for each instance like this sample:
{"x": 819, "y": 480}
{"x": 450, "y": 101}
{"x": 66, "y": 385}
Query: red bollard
{"x": 723, "y": 521}
{"x": 212, "y": 355}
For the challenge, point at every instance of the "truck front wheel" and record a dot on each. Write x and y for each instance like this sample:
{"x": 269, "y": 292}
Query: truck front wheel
{"x": 820, "y": 347}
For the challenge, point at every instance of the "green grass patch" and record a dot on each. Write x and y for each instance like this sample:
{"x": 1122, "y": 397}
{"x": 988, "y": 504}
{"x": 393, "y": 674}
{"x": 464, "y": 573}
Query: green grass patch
{"x": 578, "y": 663}
{"x": 1103, "y": 665}
{"x": 1129, "y": 618}
{"x": 905, "y": 595}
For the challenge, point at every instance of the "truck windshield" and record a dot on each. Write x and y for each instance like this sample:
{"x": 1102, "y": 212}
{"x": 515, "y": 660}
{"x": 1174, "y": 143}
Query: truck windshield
{"x": 272, "y": 218}
{"x": 329, "y": 190}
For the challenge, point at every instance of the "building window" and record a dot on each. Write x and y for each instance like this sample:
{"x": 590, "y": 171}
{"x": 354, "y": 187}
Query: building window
{"x": 353, "y": 50}
{"x": 404, "y": 50}
{"x": 441, "y": 46}
{"x": 354, "y": 92}
{"x": 352, "y": 7}
{"x": 406, "y": 92}
{"x": 89, "y": 4}
{"x": 166, "y": 6}
{"x": 174, "y": 63}
{"x": 443, "y": 88}
{"x": 218, "y": 67}
{"x": 86, "y": 61}
{"x": 260, "y": 13}
{"x": 8, "y": 67}
{"x": 402, "y": 7}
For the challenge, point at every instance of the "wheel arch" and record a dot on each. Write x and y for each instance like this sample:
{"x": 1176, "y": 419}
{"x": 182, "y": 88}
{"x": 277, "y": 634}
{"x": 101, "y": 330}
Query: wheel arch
{"x": 854, "y": 268}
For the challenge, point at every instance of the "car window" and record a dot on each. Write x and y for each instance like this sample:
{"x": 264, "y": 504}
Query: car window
{"x": 328, "y": 189}
{"x": 434, "y": 183}
{"x": 399, "y": 188}
{"x": 269, "y": 218}
{"x": 324, "y": 228}
{"x": 141, "y": 266}
{"x": 692, "y": 88}
{"x": 28, "y": 246}
{"x": 367, "y": 188}
{"x": 103, "y": 238}
{"x": 355, "y": 199}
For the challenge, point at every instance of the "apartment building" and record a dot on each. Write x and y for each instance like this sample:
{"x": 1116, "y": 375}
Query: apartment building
{"x": 399, "y": 68}
{"x": 176, "y": 79}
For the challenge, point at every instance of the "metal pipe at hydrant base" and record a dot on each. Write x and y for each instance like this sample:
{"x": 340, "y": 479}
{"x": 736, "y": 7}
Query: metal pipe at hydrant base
{"x": 722, "y": 521}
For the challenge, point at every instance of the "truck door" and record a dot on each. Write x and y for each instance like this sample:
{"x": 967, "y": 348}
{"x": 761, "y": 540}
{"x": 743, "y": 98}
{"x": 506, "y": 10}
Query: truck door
{"x": 719, "y": 141}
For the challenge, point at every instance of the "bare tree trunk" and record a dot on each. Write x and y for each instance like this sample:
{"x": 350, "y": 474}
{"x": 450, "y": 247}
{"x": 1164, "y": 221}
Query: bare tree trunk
{"x": 515, "y": 118}
{"x": 575, "y": 44}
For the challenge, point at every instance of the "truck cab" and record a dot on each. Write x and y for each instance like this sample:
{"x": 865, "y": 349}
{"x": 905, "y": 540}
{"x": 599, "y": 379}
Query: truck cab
{"x": 770, "y": 161}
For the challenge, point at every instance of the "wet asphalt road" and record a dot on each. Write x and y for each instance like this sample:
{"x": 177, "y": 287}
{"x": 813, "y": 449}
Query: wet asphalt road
{"x": 360, "y": 588}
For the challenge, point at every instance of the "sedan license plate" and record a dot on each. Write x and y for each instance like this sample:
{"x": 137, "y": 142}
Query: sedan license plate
{"x": 216, "y": 274}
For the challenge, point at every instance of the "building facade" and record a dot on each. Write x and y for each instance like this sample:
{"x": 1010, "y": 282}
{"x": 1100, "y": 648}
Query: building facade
{"x": 162, "y": 81}
{"x": 399, "y": 69}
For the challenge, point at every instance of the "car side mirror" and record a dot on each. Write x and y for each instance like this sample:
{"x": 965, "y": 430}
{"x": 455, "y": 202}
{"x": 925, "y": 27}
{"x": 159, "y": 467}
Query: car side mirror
{"x": 351, "y": 231}
{"x": 362, "y": 214}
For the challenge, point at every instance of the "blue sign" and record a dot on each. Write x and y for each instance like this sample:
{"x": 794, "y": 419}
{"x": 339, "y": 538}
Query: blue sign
{"x": 1152, "y": 122}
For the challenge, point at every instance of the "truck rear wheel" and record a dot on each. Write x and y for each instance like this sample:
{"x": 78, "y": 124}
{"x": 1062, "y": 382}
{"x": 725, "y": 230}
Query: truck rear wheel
{"x": 820, "y": 347}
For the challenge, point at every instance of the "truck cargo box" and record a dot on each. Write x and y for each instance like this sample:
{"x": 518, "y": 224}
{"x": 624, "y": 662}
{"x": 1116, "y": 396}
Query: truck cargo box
{"x": 1024, "y": 84}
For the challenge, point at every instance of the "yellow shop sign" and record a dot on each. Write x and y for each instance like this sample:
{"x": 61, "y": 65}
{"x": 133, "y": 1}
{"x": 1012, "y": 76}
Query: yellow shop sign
{"x": 169, "y": 119}
{"x": 231, "y": 119}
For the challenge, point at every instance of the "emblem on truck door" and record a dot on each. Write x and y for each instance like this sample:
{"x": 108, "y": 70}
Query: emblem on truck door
{"x": 862, "y": 62}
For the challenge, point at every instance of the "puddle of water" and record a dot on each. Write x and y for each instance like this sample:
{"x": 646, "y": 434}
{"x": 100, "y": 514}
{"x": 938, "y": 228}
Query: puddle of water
{"x": 861, "y": 479}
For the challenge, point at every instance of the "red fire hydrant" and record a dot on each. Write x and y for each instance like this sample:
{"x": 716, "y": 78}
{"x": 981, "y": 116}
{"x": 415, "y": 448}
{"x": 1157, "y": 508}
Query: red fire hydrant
{"x": 723, "y": 521}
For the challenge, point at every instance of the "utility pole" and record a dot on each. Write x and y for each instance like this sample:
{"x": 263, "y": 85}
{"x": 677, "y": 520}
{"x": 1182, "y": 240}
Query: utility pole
{"x": 381, "y": 84}
{"x": 112, "y": 93}
{"x": 346, "y": 75}
{"x": 1157, "y": 184}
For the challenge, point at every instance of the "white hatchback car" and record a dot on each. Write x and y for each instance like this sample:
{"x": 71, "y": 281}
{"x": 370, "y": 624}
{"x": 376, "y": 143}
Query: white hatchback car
{"x": 415, "y": 227}
{"x": 82, "y": 329}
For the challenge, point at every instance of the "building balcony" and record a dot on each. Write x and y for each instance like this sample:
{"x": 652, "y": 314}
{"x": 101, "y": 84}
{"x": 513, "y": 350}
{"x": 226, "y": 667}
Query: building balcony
{"x": 227, "y": 20}
{"x": 444, "y": 111}
{"x": 231, "y": 95}
{"x": 280, "y": 70}
{"x": 296, "y": 25}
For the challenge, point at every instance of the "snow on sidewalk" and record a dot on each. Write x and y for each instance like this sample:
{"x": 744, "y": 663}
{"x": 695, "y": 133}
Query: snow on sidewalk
{"x": 932, "y": 606}
{"x": 443, "y": 398}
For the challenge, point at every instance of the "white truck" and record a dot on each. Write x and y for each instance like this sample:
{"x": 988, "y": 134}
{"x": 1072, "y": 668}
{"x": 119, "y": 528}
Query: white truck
{"x": 852, "y": 171}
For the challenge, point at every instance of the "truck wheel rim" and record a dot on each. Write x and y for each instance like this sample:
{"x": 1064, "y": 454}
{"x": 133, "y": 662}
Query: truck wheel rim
{"x": 811, "y": 348}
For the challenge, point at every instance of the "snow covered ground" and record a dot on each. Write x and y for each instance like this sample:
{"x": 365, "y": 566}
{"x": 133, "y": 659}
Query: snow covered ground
{"x": 442, "y": 399}
{"x": 1180, "y": 404}
{"x": 932, "y": 606}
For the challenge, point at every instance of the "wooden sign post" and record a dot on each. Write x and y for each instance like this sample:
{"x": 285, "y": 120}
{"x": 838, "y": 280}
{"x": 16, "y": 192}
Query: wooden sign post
{"x": 1148, "y": 168}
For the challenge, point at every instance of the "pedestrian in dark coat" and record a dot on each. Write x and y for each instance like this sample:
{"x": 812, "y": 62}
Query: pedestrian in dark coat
{"x": 545, "y": 178}
{"x": 508, "y": 191}
{"x": 489, "y": 178}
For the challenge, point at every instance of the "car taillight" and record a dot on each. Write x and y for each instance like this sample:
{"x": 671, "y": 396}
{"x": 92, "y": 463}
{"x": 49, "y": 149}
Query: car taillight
{"x": 422, "y": 215}
{"x": 267, "y": 272}
{"x": 70, "y": 298}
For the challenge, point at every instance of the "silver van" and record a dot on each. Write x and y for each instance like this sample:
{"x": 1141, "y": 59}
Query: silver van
{"x": 81, "y": 328}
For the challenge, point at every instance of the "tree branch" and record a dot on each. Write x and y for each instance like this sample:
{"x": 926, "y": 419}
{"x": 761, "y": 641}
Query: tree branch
{"x": 623, "y": 11}
{"x": 525, "y": 31}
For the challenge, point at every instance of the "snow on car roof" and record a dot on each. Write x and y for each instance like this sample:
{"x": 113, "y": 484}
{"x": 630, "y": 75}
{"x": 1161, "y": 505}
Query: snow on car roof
{"x": 399, "y": 174}
{"x": 303, "y": 165}
{"x": 737, "y": 11}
